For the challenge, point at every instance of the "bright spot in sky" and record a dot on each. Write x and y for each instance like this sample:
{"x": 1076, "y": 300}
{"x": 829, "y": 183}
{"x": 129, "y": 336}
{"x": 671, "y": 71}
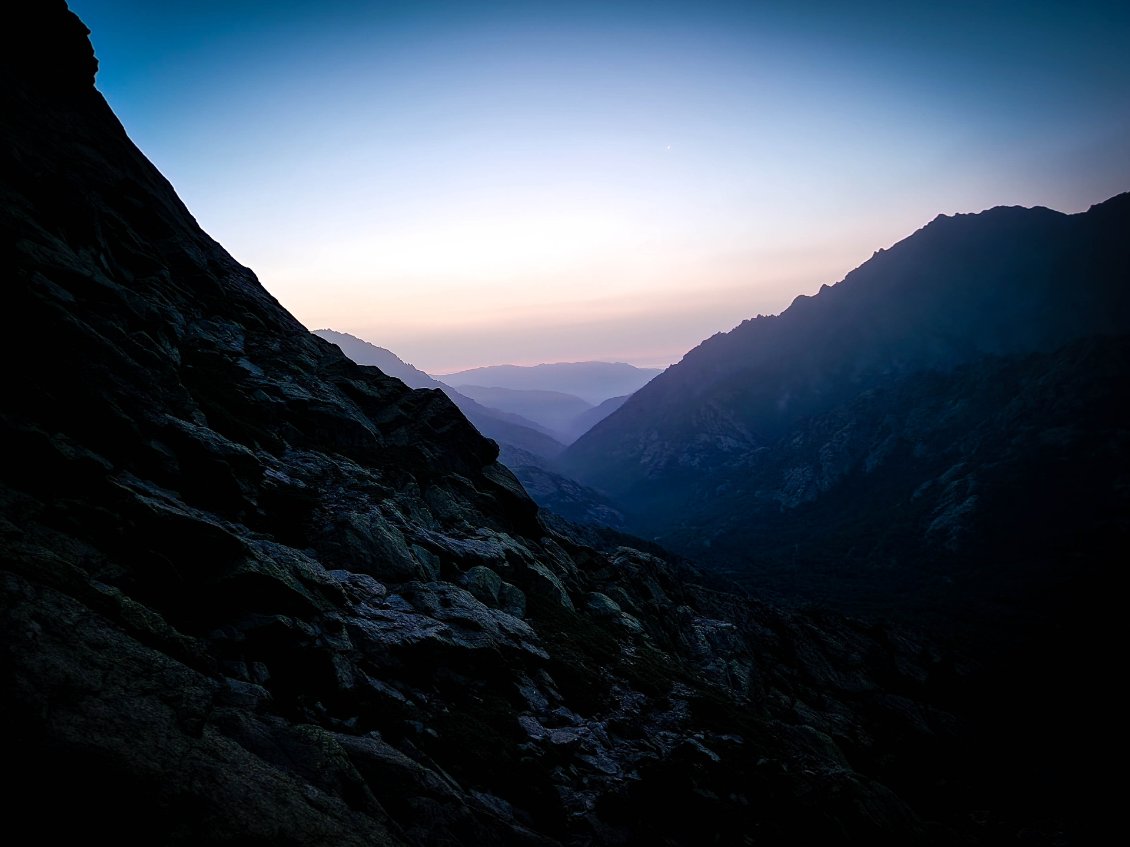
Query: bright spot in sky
{"x": 462, "y": 182}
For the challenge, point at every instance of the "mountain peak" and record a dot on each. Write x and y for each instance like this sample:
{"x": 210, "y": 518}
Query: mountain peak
{"x": 1008, "y": 280}
{"x": 49, "y": 47}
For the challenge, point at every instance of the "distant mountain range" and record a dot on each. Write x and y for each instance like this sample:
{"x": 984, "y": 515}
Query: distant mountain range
{"x": 530, "y": 442}
{"x": 593, "y": 382}
{"x": 554, "y": 410}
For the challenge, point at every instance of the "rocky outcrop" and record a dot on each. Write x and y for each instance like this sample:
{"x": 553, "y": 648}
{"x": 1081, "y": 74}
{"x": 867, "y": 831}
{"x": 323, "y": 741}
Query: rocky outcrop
{"x": 255, "y": 593}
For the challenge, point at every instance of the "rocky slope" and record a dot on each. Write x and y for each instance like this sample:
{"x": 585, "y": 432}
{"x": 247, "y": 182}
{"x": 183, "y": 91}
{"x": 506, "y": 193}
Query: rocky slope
{"x": 935, "y": 493}
{"x": 255, "y": 593}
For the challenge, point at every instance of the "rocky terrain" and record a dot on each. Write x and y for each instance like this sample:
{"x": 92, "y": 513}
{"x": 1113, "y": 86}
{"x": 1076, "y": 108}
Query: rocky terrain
{"x": 255, "y": 593}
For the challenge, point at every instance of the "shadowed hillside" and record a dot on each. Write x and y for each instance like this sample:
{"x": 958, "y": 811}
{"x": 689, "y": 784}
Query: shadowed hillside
{"x": 941, "y": 439}
{"x": 887, "y": 422}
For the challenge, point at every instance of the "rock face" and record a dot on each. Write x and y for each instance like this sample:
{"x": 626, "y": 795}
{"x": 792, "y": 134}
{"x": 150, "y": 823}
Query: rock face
{"x": 254, "y": 593}
{"x": 931, "y": 492}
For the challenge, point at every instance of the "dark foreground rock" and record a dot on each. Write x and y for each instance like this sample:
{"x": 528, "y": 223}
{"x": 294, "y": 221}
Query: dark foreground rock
{"x": 254, "y": 593}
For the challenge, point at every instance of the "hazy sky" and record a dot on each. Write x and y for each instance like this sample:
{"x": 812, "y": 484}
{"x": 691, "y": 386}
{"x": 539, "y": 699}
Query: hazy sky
{"x": 471, "y": 183}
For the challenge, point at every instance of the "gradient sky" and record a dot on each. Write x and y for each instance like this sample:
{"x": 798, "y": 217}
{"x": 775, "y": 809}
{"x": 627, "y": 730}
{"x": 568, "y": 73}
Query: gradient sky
{"x": 470, "y": 183}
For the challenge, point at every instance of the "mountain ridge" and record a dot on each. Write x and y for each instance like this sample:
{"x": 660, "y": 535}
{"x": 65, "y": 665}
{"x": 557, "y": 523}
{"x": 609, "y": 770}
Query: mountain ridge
{"x": 554, "y": 410}
{"x": 592, "y": 381}
{"x": 827, "y": 346}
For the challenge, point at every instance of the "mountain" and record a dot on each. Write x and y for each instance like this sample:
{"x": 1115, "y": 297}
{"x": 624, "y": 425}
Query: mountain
{"x": 593, "y": 382}
{"x": 555, "y": 411}
{"x": 252, "y": 592}
{"x": 565, "y": 416}
{"x": 952, "y": 490}
{"x": 365, "y": 353}
{"x": 962, "y": 290}
{"x": 941, "y": 438}
{"x": 591, "y": 417}
{"x": 558, "y": 494}
{"x": 503, "y": 426}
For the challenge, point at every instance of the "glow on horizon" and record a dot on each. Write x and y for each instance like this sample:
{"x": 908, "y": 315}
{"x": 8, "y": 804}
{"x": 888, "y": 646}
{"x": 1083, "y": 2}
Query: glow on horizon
{"x": 471, "y": 184}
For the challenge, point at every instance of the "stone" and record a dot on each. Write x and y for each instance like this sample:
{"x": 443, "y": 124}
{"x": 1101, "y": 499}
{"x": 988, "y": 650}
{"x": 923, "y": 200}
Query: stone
{"x": 512, "y": 600}
{"x": 483, "y": 583}
{"x": 601, "y": 605}
{"x": 545, "y": 583}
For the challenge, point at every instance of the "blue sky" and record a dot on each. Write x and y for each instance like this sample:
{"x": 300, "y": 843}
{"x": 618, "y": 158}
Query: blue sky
{"x": 475, "y": 183}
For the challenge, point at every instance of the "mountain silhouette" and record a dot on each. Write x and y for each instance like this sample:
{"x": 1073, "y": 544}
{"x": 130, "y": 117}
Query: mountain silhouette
{"x": 1008, "y": 281}
{"x": 939, "y": 439}
{"x": 588, "y": 419}
{"x": 593, "y": 382}
{"x": 367, "y": 353}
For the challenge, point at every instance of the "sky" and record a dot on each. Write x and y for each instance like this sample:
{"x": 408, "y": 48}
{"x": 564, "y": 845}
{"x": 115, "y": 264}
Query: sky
{"x": 472, "y": 183}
